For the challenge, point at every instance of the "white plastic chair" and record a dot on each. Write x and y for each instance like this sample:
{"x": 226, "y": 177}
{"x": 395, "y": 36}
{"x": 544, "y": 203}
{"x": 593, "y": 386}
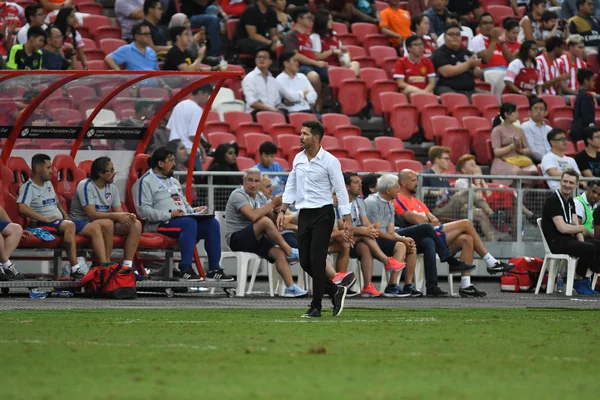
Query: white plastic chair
{"x": 226, "y": 101}
{"x": 103, "y": 118}
{"x": 496, "y": 79}
{"x": 270, "y": 269}
{"x": 551, "y": 263}
{"x": 244, "y": 260}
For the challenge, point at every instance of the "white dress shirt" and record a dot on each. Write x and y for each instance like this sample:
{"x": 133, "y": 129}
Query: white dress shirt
{"x": 311, "y": 183}
{"x": 290, "y": 89}
{"x": 537, "y": 139}
{"x": 184, "y": 122}
{"x": 258, "y": 88}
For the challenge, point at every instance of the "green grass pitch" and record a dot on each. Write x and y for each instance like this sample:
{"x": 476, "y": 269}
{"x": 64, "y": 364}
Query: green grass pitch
{"x": 274, "y": 354}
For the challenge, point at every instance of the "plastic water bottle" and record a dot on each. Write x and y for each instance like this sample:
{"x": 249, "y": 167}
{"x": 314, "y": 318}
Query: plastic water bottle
{"x": 559, "y": 281}
{"x": 62, "y": 293}
{"x": 37, "y": 294}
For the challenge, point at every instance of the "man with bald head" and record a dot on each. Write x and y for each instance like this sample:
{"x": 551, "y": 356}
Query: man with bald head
{"x": 458, "y": 235}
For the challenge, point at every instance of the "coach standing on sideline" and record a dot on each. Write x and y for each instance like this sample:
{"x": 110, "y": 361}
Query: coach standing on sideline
{"x": 315, "y": 175}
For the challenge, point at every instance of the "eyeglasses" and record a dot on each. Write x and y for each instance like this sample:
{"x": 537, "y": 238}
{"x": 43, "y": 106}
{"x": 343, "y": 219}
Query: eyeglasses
{"x": 453, "y": 34}
{"x": 181, "y": 148}
{"x": 538, "y": 109}
{"x": 263, "y": 57}
{"x": 112, "y": 170}
{"x": 562, "y": 139}
{"x": 144, "y": 33}
{"x": 40, "y": 15}
{"x": 595, "y": 137}
{"x": 486, "y": 22}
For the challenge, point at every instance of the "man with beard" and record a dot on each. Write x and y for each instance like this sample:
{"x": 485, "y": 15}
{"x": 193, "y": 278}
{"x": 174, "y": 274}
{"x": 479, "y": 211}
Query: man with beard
{"x": 98, "y": 200}
{"x": 160, "y": 202}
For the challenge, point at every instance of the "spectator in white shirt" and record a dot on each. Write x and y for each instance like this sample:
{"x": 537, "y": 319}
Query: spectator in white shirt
{"x": 555, "y": 162}
{"x": 260, "y": 87}
{"x": 536, "y": 130}
{"x": 34, "y": 15}
{"x": 547, "y": 65}
{"x": 294, "y": 87}
{"x": 185, "y": 119}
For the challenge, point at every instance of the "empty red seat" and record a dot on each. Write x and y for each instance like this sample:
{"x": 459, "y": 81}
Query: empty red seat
{"x": 382, "y": 53}
{"x": 359, "y": 54}
{"x": 297, "y": 118}
{"x": 241, "y": 122}
{"x": 216, "y": 126}
{"x": 110, "y": 45}
{"x": 85, "y": 166}
{"x": 349, "y": 92}
{"x": 283, "y": 162}
{"x": 480, "y": 130}
{"x": 97, "y": 65}
{"x": 398, "y": 115}
{"x": 458, "y": 105}
{"x": 245, "y": 163}
{"x": 274, "y": 123}
{"x": 287, "y": 142}
{"x": 408, "y": 164}
{"x": 89, "y": 44}
{"x": 557, "y": 108}
{"x": 339, "y": 125}
{"x": 20, "y": 173}
{"x": 428, "y": 107}
{"x": 90, "y": 8}
{"x": 377, "y": 82}
{"x": 253, "y": 142}
{"x": 487, "y": 104}
{"x": 392, "y": 148}
{"x": 217, "y": 138}
{"x": 154, "y": 93}
{"x": 66, "y": 176}
{"x": 368, "y": 35}
{"x": 563, "y": 123}
{"x": 499, "y": 13}
{"x": 349, "y": 165}
{"x": 375, "y": 165}
{"x": 353, "y": 144}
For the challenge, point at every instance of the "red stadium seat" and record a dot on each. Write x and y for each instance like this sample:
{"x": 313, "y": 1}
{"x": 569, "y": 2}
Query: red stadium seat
{"x": 65, "y": 115}
{"x": 359, "y": 54}
{"x": 458, "y": 105}
{"x": 217, "y": 138}
{"x": 89, "y": 44}
{"x": 329, "y": 142}
{"x": 253, "y": 142}
{"x": 391, "y": 147}
{"x": 375, "y": 165}
{"x": 517, "y": 99}
{"x": 85, "y": 166}
{"x": 20, "y": 173}
{"x": 231, "y": 26}
{"x": 408, "y": 164}
{"x": 94, "y": 54}
{"x": 349, "y": 165}
{"x": 499, "y": 13}
{"x": 106, "y": 32}
{"x": 353, "y": 144}
{"x": 66, "y": 176}
{"x": 377, "y": 83}
{"x": 110, "y": 45}
{"x": 351, "y": 93}
{"x": 368, "y": 35}
{"x": 480, "y": 130}
{"x": 154, "y": 93}
{"x": 563, "y": 123}
{"x": 274, "y": 123}
{"x": 215, "y": 126}
{"x": 241, "y": 122}
{"x": 557, "y": 108}
{"x": 287, "y": 142}
{"x": 339, "y": 125}
{"x": 340, "y": 28}
{"x": 245, "y": 163}
{"x": 428, "y": 107}
{"x": 90, "y": 8}
{"x": 296, "y": 119}
{"x": 139, "y": 166}
{"x": 283, "y": 162}
{"x": 381, "y": 5}
{"x": 580, "y": 145}
{"x": 382, "y": 53}
{"x": 487, "y": 104}
{"x": 440, "y": 123}
{"x": 97, "y": 65}
{"x": 81, "y": 92}
{"x": 401, "y": 117}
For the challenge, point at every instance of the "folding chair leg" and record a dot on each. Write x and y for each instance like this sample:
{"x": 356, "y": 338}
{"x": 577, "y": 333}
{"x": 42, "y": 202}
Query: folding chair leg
{"x": 594, "y": 281}
{"x": 552, "y": 271}
{"x": 255, "y": 267}
{"x": 242, "y": 276}
{"x": 169, "y": 264}
{"x": 570, "y": 276}
{"x": 451, "y": 284}
{"x": 270, "y": 268}
{"x": 542, "y": 272}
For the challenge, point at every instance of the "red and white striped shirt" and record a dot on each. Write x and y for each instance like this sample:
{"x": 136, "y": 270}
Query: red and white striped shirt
{"x": 548, "y": 71}
{"x": 564, "y": 65}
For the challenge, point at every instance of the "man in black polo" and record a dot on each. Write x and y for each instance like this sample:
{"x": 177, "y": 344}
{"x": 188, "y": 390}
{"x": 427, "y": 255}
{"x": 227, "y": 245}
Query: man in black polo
{"x": 178, "y": 58}
{"x": 153, "y": 10}
{"x": 28, "y": 56}
{"x": 456, "y": 67}
{"x": 257, "y": 28}
{"x": 464, "y": 8}
{"x": 564, "y": 234}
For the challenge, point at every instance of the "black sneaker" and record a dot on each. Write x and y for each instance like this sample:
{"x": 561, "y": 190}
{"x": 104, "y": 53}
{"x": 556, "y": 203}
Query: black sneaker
{"x": 3, "y": 276}
{"x": 471, "y": 291}
{"x": 500, "y": 266}
{"x": 436, "y": 292}
{"x": 12, "y": 273}
{"x": 77, "y": 275}
{"x": 460, "y": 268}
{"x": 218, "y": 275}
{"x": 413, "y": 291}
{"x": 188, "y": 274}
{"x": 312, "y": 313}
{"x": 338, "y": 300}
{"x": 351, "y": 293}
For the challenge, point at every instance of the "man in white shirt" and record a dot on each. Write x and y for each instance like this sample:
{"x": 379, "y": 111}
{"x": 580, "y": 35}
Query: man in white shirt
{"x": 555, "y": 162}
{"x": 260, "y": 87}
{"x": 34, "y": 15}
{"x": 294, "y": 87}
{"x": 315, "y": 175}
{"x": 536, "y": 130}
{"x": 185, "y": 118}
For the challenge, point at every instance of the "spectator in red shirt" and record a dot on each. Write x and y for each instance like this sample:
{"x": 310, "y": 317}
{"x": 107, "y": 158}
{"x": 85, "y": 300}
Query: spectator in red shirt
{"x": 570, "y": 63}
{"x": 72, "y": 40}
{"x": 511, "y": 34}
{"x": 11, "y": 19}
{"x": 327, "y": 46}
{"x": 490, "y": 45}
{"x": 299, "y": 40}
{"x": 548, "y": 67}
{"x": 415, "y": 73}
{"x": 522, "y": 75}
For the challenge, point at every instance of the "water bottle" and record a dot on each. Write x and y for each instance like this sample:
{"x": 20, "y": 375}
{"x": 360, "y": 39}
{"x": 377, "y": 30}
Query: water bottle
{"x": 559, "y": 281}
{"x": 37, "y": 294}
{"x": 62, "y": 293}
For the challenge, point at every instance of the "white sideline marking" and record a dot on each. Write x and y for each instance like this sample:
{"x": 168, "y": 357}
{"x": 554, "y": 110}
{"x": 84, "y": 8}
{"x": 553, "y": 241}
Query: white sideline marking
{"x": 278, "y": 321}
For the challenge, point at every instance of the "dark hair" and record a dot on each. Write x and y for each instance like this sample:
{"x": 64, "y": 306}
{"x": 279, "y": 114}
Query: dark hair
{"x": 206, "y": 89}
{"x": 141, "y": 104}
{"x": 553, "y": 43}
{"x": 369, "y": 182}
{"x": 99, "y": 167}
{"x": 416, "y": 21}
{"x": 160, "y": 154}
{"x": 579, "y": 3}
{"x": 411, "y": 39}
{"x": 285, "y": 56}
{"x": 48, "y": 30}
{"x": 263, "y": 48}
{"x": 149, "y": 4}
{"x": 505, "y": 108}
{"x": 583, "y": 74}
{"x": 31, "y": 10}
{"x": 218, "y": 162}
{"x": 321, "y": 21}
{"x": 548, "y": 15}
{"x": 316, "y": 128}
{"x": 534, "y": 3}
{"x": 61, "y": 23}
{"x": 298, "y": 12}
{"x": 39, "y": 160}
{"x": 571, "y": 172}
{"x": 588, "y": 133}
{"x": 553, "y": 133}
{"x": 485, "y": 14}
{"x": 35, "y": 31}
{"x": 523, "y": 54}
{"x": 267, "y": 148}
{"x": 30, "y": 94}
{"x": 173, "y": 145}
{"x": 451, "y": 26}
{"x": 176, "y": 31}
{"x": 452, "y": 15}
{"x": 510, "y": 23}
{"x": 136, "y": 29}
{"x": 348, "y": 175}
{"x": 436, "y": 152}
{"x": 536, "y": 100}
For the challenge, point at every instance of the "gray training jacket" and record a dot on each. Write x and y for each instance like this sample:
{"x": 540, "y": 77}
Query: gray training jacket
{"x": 155, "y": 196}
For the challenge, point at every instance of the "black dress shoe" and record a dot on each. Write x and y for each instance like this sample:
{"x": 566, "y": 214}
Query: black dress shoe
{"x": 436, "y": 292}
{"x": 312, "y": 313}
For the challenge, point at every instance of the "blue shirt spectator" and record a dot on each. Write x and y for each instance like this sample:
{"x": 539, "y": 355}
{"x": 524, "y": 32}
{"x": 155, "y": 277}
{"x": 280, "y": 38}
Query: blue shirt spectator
{"x": 268, "y": 151}
{"x": 136, "y": 56}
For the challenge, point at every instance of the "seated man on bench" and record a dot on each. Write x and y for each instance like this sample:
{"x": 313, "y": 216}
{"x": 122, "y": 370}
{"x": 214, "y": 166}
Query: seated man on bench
{"x": 38, "y": 202}
{"x": 10, "y": 236}
{"x": 95, "y": 198}
{"x": 160, "y": 202}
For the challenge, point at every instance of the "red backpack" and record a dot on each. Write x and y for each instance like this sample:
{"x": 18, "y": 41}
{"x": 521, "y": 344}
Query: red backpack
{"x": 111, "y": 280}
{"x": 523, "y": 277}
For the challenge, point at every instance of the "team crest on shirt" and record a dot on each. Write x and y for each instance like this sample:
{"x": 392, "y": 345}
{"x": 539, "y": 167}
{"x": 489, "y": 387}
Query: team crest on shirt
{"x": 108, "y": 196}
{"x": 423, "y": 70}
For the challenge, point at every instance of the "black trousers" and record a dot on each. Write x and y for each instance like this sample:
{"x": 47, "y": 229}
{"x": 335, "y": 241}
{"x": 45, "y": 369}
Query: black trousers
{"x": 314, "y": 232}
{"x": 429, "y": 244}
{"x": 588, "y": 252}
